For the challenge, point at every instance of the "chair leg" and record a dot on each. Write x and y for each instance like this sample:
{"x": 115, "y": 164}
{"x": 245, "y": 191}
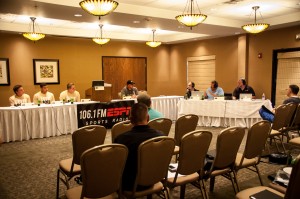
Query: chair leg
{"x": 182, "y": 191}
{"x": 57, "y": 184}
{"x": 203, "y": 192}
{"x": 232, "y": 182}
{"x": 235, "y": 180}
{"x": 258, "y": 173}
{"x": 212, "y": 183}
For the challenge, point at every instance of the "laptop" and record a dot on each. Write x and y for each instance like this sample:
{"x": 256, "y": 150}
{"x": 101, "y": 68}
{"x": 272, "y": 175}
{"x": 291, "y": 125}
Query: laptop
{"x": 197, "y": 95}
{"x": 246, "y": 96}
{"x": 228, "y": 96}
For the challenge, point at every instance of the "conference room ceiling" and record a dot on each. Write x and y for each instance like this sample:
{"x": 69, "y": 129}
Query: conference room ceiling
{"x": 133, "y": 20}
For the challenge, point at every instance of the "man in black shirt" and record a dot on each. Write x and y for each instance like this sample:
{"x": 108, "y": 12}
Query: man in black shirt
{"x": 190, "y": 88}
{"x": 132, "y": 139}
{"x": 242, "y": 88}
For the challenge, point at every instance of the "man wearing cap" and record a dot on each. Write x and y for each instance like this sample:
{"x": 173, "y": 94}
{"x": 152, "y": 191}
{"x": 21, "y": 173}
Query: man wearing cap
{"x": 129, "y": 90}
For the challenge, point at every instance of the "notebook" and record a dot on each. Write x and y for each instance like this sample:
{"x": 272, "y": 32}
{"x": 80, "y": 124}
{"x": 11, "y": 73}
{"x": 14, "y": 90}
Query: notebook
{"x": 265, "y": 194}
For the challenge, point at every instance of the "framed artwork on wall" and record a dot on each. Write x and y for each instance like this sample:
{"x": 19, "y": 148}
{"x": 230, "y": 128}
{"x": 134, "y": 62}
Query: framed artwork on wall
{"x": 4, "y": 72}
{"x": 46, "y": 71}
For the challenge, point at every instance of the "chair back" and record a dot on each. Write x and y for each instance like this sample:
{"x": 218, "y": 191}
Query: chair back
{"x": 293, "y": 190}
{"x": 280, "y": 117}
{"x": 184, "y": 125}
{"x": 102, "y": 168}
{"x": 256, "y": 139}
{"x": 296, "y": 119}
{"x": 154, "y": 156}
{"x": 228, "y": 143}
{"x": 86, "y": 138}
{"x": 193, "y": 149}
{"x": 119, "y": 128}
{"x": 292, "y": 110}
{"x": 161, "y": 124}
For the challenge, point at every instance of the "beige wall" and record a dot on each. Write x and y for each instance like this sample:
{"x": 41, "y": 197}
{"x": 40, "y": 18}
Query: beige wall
{"x": 80, "y": 61}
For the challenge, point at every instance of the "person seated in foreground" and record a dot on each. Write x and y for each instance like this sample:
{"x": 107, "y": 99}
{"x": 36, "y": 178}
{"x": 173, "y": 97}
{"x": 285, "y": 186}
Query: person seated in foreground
{"x": 291, "y": 92}
{"x": 214, "y": 91}
{"x": 242, "y": 88}
{"x": 70, "y": 93}
{"x": 43, "y": 96}
{"x": 129, "y": 90}
{"x": 19, "y": 96}
{"x": 145, "y": 99}
{"x": 140, "y": 132}
{"x": 189, "y": 89}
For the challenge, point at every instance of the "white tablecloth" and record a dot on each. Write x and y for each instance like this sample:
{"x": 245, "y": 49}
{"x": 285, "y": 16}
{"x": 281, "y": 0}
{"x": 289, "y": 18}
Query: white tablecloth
{"x": 167, "y": 105}
{"x": 28, "y": 122}
{"x": 223, "y": 113}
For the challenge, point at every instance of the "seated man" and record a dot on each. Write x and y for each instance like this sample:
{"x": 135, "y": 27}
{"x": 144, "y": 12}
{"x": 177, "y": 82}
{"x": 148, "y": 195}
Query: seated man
{"x": 70, "y": 93}
{"x": 132, "y": 139}
{"x": 214, "y": 91}
{"x": 145, "y": 99}
{"x": 43, "y": 95}
{"x": 190, "y": 88}
{"x": 129, "y": 90}
{"x": 19, "y": 96}
{"x": 242, "y": 88}
{"x": 292, "y": 92}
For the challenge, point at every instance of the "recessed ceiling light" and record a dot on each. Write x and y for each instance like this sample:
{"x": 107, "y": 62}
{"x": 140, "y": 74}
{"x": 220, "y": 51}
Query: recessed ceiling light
{"x": 78, "y": 15}
{"x": 237, "y": 33}
{"x": 136, "y": 22}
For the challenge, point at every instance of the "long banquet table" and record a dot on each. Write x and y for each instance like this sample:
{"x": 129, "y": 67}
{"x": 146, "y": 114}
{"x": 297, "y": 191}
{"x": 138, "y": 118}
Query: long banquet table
{"x": 167, "y": 105}
{"x": 29, "y": 122}
{"x": 224, "y": 112}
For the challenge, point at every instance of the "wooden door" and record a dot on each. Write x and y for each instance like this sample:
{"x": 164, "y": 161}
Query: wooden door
{"x": 117, "y": 70}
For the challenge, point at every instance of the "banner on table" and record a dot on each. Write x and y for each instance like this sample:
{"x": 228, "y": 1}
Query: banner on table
{"x": 105, "y": 114}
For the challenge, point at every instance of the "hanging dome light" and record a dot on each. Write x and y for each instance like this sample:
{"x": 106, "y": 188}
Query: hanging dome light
{"x": 32, "y": 35}
{"x": 100, "y": 40}
{"x": 153, "y": 43}
{"x": 190, "y": 19}
{"x": 256, "y": 27}
{"x": 99, "y": 7}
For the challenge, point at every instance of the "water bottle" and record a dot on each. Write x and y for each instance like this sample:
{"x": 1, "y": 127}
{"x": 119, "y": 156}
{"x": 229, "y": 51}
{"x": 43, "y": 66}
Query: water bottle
{"x": 263, "y": 97}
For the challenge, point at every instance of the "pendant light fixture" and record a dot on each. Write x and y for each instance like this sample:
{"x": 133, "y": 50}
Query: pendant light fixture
{"x": 190, "y": 18}
{"x": 99, "y": 7}
{"x": 256, "y": 27}
{"x": 153, "y": 43}
{"x": 99, "y": 40}
{"x": 32, "y": 35}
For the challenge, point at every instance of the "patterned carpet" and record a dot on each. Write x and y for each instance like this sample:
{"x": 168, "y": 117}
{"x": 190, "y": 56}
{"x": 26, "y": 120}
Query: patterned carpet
{"x": 28, "y": 169}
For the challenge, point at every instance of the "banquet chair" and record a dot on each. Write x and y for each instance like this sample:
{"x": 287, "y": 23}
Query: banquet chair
{"x": 183, "y": 125}
{"x": 292, "y": 190}
{"x": 101, "y": 168}
{"x": 119, "y": 128}
{"x": 154, "y": 156}
{"x": 295, "y": 126}
{"x": 161, "y": 124}
{"x": 227, "y": 146}
{"x": 255, "y": 144}
{"x": 279, "y": 125}
{"x": 82, "y": 139}
{"x": 193, "y": 150}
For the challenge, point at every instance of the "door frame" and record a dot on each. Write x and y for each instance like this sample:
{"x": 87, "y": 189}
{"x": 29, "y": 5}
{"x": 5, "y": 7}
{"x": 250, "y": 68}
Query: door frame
{"x": 275, "y": 67}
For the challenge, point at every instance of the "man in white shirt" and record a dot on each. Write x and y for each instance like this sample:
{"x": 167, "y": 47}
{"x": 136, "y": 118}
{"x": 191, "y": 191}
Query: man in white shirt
{"x": 43, "y": 96}
{"x": 19, "y": 96}
{"x": 70, "y": 94}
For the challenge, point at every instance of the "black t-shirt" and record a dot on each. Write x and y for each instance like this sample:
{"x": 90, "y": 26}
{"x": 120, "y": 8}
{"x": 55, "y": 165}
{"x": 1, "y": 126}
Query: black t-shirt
{"x": 237, "y": 91}
{"x": 132, "y": 139}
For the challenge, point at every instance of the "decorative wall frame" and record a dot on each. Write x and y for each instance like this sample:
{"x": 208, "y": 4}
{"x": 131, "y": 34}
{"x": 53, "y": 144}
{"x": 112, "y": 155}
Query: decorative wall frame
{"x": 4, "y": 72}
{"x": 46, "y": 71}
